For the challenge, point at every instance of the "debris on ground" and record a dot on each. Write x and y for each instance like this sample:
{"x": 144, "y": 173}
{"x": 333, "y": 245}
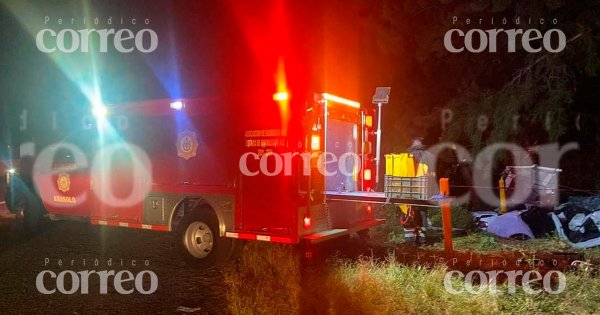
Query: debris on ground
{"x": 185, "y": 309}
{"x": 509, "y": 225}
{"x": 576, "y": 222}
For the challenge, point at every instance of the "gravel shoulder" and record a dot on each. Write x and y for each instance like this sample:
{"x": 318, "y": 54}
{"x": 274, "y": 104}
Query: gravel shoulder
{"x": 78, "y": 245}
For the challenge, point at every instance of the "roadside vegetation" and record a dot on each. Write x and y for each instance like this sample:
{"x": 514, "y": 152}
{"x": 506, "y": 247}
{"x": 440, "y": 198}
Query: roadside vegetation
{"x": 387, "y": 287}
{"x": 269, "y": 279}
{"x": 470, "y": 239}
{"x": 486, "y": 243}
{"x": 265, "y": 280}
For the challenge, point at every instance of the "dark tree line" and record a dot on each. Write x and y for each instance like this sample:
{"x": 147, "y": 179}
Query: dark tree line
{"x": 554, "y": 95}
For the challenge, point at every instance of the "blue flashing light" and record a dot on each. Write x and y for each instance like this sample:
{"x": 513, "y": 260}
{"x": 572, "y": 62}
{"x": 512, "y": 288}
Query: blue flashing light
{"x": 177, "y": 105}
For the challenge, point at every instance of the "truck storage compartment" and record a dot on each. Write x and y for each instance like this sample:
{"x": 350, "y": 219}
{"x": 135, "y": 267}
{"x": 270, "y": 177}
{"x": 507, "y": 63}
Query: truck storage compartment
{"x": 341, "y": 142}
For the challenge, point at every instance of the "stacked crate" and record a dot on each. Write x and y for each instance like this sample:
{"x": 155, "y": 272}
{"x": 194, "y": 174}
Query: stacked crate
{"x": 400, "y": 180}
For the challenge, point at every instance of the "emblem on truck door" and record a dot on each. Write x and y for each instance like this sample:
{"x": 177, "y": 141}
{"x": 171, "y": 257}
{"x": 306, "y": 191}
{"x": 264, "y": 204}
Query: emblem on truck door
{"x": 64, "y": 182}
{"x": 187, "y": 144}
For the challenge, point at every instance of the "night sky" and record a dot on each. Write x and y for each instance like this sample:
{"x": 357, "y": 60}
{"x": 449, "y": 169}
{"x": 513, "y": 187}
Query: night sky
{"x": 209, "y": 48}
{"x": 205, "y": 49}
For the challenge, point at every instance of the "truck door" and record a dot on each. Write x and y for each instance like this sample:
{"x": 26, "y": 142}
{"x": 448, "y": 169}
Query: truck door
{"x": 266, "y": 197}
{"x": 118, "y": 181}
{"x": 341, "y": 142}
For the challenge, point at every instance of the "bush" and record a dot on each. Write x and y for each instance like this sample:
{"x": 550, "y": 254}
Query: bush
{"x": 461, "y": 218}
{"x": 391, "y": 232}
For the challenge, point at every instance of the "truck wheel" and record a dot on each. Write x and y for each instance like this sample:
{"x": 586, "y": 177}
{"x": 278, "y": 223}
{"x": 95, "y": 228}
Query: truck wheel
{"x": 199, "y": 241}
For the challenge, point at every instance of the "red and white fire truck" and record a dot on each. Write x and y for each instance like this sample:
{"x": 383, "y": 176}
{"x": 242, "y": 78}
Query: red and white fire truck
{"x": 279, "y": 169}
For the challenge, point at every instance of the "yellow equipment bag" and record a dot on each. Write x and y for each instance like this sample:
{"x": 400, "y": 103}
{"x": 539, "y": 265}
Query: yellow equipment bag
{"x": 403, "y": 208}
{"x": 399, "y": 165}
{"x": 389, "y": 164}
{"x": 422, "y": 169}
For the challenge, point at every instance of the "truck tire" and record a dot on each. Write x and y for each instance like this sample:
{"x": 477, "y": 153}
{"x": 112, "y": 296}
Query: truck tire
{"x": 198, "y": 239}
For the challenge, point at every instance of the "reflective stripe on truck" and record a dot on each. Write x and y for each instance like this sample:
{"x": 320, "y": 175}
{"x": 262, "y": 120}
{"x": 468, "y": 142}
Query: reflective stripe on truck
{"x": 264, "y": 238}
{"x": 130, "y": 225}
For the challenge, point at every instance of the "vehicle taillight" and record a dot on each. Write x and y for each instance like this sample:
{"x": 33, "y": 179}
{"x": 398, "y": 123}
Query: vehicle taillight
{"x": 307, "y": 222}
{"x": 369, "y": 210}
{"x": 367, "y": 174}
{"x": 315, "y": 143}
{"x": 369, "y": 121}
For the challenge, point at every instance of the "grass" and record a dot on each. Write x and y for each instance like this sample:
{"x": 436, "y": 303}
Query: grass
{"x": 486, "y": 243}
{"x": 373, "y": 287}
{"x": 391, "y": 234}
{"x": 270, "y": 280}
{"x": 265, "y": 280}
{"x": 389, "y": 288}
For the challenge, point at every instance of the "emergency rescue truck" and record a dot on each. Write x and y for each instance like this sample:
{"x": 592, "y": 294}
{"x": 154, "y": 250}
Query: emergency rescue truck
{"x": 220, "y": 171}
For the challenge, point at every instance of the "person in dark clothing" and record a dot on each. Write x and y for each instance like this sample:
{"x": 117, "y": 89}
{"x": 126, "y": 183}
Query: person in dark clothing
{"x": 415, "y": 220}
{"x": 420, "y": 154}
{"x": 22, "y": 198}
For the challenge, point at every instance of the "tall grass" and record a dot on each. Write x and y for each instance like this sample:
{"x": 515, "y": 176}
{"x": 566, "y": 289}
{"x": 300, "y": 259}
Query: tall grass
{"x": 373, "y": 287}
{"x": 265, "y": 280}
{"x": 271, "y": 280}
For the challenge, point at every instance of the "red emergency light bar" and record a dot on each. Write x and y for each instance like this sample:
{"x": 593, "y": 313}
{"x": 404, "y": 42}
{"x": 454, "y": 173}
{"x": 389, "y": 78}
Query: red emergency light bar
{"x": 281, "y": 96}
{"x": 165, "y": 107}
{"x": 341, "y": 100}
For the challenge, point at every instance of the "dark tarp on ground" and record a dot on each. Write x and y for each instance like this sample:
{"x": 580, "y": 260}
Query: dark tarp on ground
{"x": 539, "y": 221}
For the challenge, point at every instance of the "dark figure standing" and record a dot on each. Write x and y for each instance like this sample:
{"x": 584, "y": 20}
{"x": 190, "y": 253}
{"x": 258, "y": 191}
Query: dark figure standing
{"x": 415, "y": 221}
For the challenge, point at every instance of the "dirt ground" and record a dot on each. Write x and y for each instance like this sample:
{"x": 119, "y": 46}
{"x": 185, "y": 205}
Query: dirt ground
{"x": 21, "y": 259}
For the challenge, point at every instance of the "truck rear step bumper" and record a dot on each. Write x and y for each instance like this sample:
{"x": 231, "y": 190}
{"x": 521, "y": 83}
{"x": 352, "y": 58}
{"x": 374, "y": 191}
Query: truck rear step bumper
{"x": 333, "y": 233}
